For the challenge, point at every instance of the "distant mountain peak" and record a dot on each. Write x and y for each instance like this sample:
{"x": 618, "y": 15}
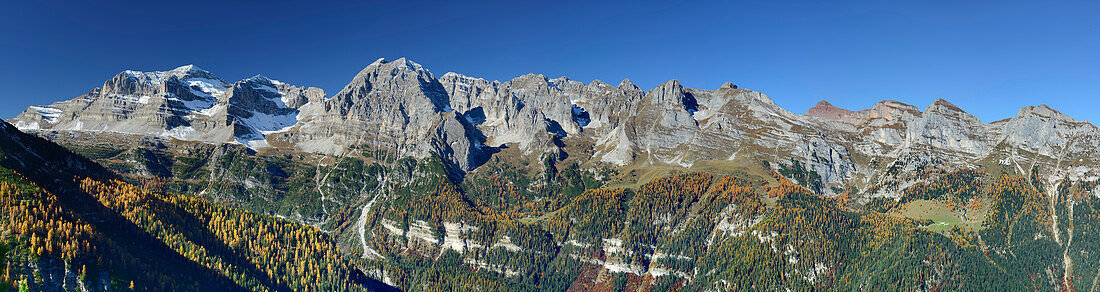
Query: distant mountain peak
{"x": 896, "y": 104}
{"x": 400, "y": 62}
{"x": 826, "y": 110}
{"x": 262, "y": 79}
{"x": 941, "y": 104}
{"x": 384, "y": 67}
{"x": 671, "y": 83}
{"x": 627, "y": 85}
{"x": 189, "y": 68}
{"x": 597, "y": 82}
{"x": 409, "y": 64}
{"x": 1045, "y": 111}
{"x": 181, "y": 72}
{"x": 670, "y": 92}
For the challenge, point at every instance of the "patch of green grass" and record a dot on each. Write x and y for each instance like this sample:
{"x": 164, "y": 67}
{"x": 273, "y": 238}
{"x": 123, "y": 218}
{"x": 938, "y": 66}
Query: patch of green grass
{"x": 943, "y": 218}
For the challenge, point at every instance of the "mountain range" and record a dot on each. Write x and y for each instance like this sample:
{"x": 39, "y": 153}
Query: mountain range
{"x": 402, "y": 106}
{"x": 541, "y": 183}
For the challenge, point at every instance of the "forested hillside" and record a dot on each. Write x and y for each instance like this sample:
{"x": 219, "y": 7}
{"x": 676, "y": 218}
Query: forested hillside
{"x": 957, "y": 230}
{"x": 71, "y": 224}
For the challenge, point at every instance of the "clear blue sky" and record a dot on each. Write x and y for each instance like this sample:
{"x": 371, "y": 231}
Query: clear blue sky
{"x": 988, "y": 57}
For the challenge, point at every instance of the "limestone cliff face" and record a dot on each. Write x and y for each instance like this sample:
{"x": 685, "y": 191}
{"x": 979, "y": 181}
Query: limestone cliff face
{"x": 529, "y": 110}
{"x": 390, "y": 105}
{"x": 168, "y": 103}
{"x": 662, "y": 121}
{"x": 495, "y": 111}
{"x": 1048, "y": 132}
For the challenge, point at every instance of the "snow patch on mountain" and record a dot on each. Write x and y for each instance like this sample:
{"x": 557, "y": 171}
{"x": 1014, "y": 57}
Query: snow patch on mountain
{"x": 47, "y": 113}
{"x": 268, "y": 123}
{"x": 182, "y": 133}
{"x": 207, "y": 86}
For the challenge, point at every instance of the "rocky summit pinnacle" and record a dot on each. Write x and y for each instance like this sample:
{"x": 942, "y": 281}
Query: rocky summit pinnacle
{"x": 400, "y": 107}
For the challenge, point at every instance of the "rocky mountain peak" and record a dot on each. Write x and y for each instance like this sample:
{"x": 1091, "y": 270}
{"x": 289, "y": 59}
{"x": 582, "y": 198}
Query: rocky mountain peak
{"x": 598, "y": 83}
{"x": 947, "y": 127}
{"x": 728, "y": 85}
{"x": 670, "y": 92}
{"x": 1044, "y": 111}
{"x": 561, "y": 79}
{"x": 186, "y": 103}
{"x": 189, "y": 70}
{"x": 378, "y": 61}
{"x": 532, "y": 77}
{"x": 1046, "y": 131}
{"x": 942, "y": 106}
{"x": 258, "y": 94}
{"x": 395, "y": 105}
{"x": 896, "y": 105}
{"x": 401, "y": 66}
{"x": 178, "y": 81}
{"x": 383, "y": 83}
{"x": 890, "y": 110}
{"x": 626, "y": 85}
{"x": 409, "y": 64}
{"x": 157, "y": 77}
{"x": 826, "y": 110}
{"x": 261, "y": 79}
{"x": 459, "y": 76}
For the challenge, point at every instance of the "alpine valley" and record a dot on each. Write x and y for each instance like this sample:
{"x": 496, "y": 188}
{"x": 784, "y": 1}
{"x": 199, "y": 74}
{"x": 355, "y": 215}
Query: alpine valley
{"x": 181, "y": 181}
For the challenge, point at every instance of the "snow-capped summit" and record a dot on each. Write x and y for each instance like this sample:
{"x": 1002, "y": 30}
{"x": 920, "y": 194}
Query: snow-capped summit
{"x": 186, "y": 103}
{"x": 183, "y": 72}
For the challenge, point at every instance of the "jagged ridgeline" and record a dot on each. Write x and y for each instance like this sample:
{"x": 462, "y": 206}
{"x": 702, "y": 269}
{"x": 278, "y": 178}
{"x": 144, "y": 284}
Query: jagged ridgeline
{"x": 459, "y": 183}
